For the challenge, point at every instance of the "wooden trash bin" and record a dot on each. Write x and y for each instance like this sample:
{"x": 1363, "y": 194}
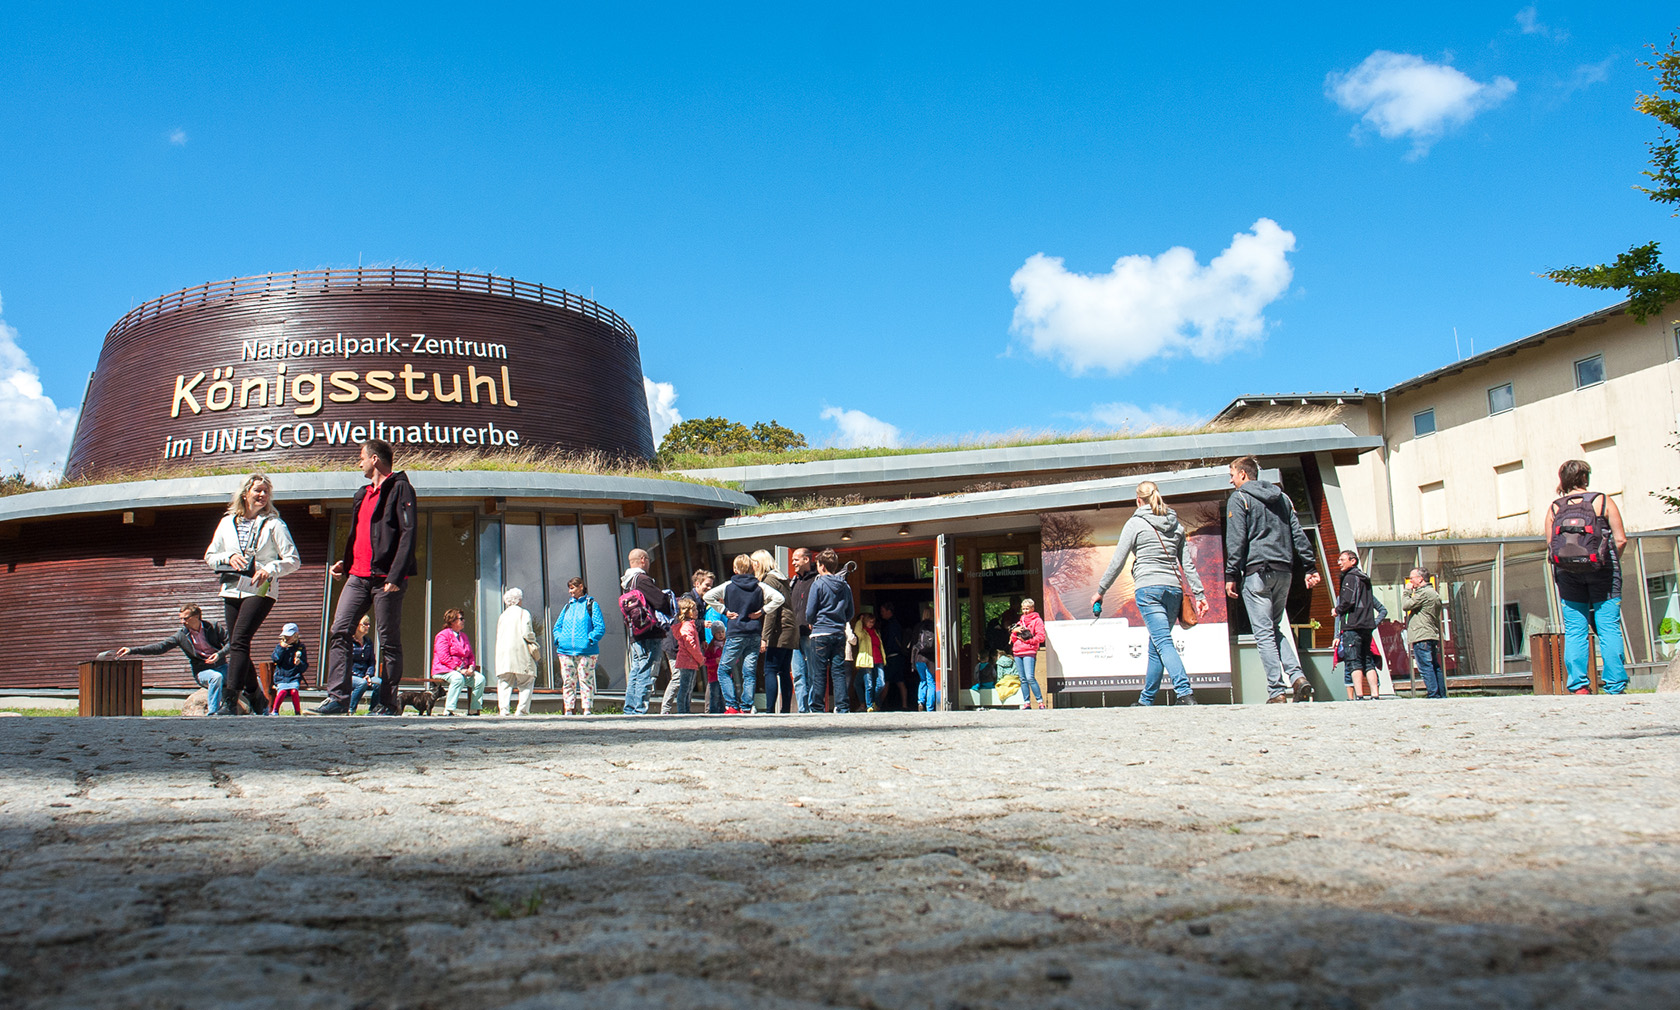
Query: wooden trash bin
{"x": 1550, "y": 676}
{"x": 110, "y": 687}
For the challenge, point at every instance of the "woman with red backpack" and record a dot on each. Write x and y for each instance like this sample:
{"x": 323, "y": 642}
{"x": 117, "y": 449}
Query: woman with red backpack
{"x": 1585, "y": 538}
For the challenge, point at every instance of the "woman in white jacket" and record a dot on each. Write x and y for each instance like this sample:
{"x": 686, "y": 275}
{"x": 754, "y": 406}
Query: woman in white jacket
{"x": 516, "y": 654}
{"x": 252, "y": 550}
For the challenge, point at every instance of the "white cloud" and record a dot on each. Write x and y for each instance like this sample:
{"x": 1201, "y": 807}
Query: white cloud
{"x": 1588, "y": 74}
{"x": 178, "y": 137}
{"x": 1402, "y": 95}
{"x": 857, "y": 430}
{"x": 662, "y": 407}
{"x": 37, "y": 433}
{"x": 1136, "y": 417}
{"x": 1146, "y": 307}
{"x": 1528, "y": 19}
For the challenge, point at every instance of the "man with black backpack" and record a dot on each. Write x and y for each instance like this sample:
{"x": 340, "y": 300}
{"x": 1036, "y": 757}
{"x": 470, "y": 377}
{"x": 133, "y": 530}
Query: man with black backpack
{"x": 642, "y": 606}
{"x": 1356, "y": 606}
{"x": 1263, "y": 544}
{"x": 1584, "y": 539}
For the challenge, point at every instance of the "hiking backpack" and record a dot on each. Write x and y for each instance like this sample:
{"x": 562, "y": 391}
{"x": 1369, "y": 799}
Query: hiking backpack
{"x": 639, "y": 617}
{"x": 1580, "y": 535}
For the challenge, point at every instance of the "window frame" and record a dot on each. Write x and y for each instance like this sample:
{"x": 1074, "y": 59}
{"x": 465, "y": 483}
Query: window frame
{"x": 1433, "y": 427}
{"x": 1511, "y": 391}
{"x": 1599, "y": 357}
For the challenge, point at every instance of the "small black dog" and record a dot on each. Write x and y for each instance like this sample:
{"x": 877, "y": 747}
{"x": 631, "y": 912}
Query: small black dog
{"x": 420, "y": 701}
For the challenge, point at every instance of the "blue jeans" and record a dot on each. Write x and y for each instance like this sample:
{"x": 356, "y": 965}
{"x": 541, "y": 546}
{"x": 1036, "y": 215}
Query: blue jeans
{"x": 1026, "y": 670}
{"x": 360, "y": 686}
{"x": 740, "y": 652}
{"x": 644, "y": 665}
{"x": 927, "y": 690}
{"x": 1159, "y": 605}
{"x": 828, "y": 663}
{"x": 874, "y": 684}
{"x": 777, "y": 664}
{"x": 1606, "y": 619}
{"x": 1427, "y": 657}
{"x": 802, "y": 673}
{"x": 211, "y": 678}
{"x": 1265, "y": 596}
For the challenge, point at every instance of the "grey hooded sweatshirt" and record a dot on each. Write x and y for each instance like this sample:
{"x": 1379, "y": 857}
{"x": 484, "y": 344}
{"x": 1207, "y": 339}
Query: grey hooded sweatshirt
{"x": 1261, "y": 532}
{"x": 1144, "y": 535}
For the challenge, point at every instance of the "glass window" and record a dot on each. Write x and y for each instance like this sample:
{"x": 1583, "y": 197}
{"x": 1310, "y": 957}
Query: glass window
{"x": 416, "y": 632}
{"x": 1501, "y": 399}
{"x": 454, "y": 579}
{"x": 1464, "y": 578}
{"x": 1662, "y": 594}
{"x": 601, "y": 570}
{"x": 1589, "y": 371}
{"x": 560, "y": 541}
{"x": 1527, "y": 605}
{"x": 489, "y": 594}
{"x": 1423, "y": 423}
{"x": 522, "y": 567}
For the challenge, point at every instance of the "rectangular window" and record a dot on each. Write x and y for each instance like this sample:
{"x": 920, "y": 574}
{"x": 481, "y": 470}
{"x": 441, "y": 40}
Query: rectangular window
{"x": 1423, "y": 423}
{"x": 1501, "y": 399}
{"x": 1510, "y": 490}
{"x": 1589, "y": 371}
{"x": 1432, "y": 507}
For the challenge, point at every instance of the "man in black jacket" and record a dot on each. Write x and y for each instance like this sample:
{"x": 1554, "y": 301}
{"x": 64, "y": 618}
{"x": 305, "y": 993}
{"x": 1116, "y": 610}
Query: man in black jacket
{"x": 1356, "y": 605}
{"x": 378, "y": 560}
{"x": 803, "y": 562}
{"x": 204, "y": 643}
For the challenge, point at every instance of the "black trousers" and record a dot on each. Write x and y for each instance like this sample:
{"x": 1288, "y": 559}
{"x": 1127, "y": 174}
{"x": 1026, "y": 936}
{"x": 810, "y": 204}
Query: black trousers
{"x": 244, "y": 618}
{"x": 355, "y": 599}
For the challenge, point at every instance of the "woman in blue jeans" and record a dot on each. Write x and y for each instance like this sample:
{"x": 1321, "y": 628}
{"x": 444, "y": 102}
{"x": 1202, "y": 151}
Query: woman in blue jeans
{"x": 923, "y": 646}
{"x": 1592, "y": 599}
{"x": 1155, "y": 538}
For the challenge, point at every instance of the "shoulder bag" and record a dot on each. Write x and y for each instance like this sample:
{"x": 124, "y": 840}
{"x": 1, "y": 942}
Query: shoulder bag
{"x": 1187, "y": 607}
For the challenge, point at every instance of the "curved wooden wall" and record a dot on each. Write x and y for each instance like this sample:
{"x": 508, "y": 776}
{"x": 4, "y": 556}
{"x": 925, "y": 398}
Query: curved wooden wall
{"x": 573, "y": 369}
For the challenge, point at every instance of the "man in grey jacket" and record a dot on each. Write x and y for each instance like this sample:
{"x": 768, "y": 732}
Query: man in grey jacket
{"x": 1422, "y": 605}
{"x": 1263, "y": 543}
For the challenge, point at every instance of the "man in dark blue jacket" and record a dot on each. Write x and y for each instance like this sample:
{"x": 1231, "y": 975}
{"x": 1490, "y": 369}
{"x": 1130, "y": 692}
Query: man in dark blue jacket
{"x": 829, "y": 611}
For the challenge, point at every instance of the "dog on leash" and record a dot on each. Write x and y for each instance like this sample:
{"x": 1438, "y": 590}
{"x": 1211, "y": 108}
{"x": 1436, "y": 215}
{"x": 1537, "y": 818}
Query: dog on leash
{"x": 420, "y": 701}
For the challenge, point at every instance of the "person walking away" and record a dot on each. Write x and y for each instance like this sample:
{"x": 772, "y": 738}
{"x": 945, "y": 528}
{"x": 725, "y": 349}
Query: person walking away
{"x": 746, "y": 603}
{"x": 1263, "y": 544}
{"x": 1585, "y": 542}
{"x": 779, "y": 638}
{"x": 363, "y": 679}
{"x": 251, "y": 551}
{"x": 690, "y": 659}
{"x": 828, "y": 610}
{"x": 577, "y": 647}
{"x": 204, "y": 643}
{"x": 1162, "y": 563}
{"x": 640, "y": 605}
{"x": 892, "y": 638}
{"x": 679, "y": 698}
{"x": 924, "y": 644}
{"x": 1356, "y": 608}
{"x": 804, "y": 565}
{"x": 453, "y": 660}
{"x": 291, "y": 662}
{"x": 1026, "y": 637}
{"x": 377, "y": 562}
{"x": 1422, "y": 606}
{"x": 516, "y": 654}
{"x": 871, "y": 662}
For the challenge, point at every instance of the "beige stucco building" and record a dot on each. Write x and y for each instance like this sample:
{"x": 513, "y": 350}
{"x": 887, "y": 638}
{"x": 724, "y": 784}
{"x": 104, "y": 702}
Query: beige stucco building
{"x": 1472, "y": 449}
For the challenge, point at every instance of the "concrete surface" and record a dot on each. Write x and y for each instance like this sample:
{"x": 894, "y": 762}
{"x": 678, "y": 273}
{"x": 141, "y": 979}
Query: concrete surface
{"x": 1515, "y": 852}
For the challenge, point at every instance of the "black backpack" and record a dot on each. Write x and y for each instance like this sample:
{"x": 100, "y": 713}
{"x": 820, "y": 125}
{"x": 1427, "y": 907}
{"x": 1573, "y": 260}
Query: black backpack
{"x": 1580, "y": 534}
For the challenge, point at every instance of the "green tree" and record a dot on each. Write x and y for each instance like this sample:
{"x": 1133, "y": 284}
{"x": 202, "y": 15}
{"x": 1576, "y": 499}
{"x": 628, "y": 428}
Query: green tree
{"x": 774, "y": 437}
{"x": 1639, "y": 271}
{"x": 717, "y": 436}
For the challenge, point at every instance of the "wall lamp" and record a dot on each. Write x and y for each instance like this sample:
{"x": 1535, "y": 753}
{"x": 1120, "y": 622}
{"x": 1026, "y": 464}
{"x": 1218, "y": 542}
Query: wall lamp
{"x": 845, "y": 534}
{"x": 904, "y": 531}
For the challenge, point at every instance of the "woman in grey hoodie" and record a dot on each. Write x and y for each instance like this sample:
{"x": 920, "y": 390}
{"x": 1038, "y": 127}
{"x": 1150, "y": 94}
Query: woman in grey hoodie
{"x": 1153, "y": 535}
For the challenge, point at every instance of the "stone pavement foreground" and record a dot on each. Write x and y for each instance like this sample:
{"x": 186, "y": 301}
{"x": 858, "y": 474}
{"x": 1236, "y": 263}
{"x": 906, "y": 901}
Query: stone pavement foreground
{"x": 1516, "y": 852}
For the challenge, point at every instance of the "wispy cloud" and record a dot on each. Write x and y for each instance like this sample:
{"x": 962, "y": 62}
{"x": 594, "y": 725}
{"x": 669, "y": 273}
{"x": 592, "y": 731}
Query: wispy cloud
{"x": 178, "y": 137}
{"x": 1588, "y": 74}
{"x": 37, "y": 432}
{"x": 662, "y": 407}
{"x": 856, "y": 430}
{"x": 1402, "y": 95}
{"x": 1528, "y": 19}
{"x": 1152, "y": 306}
{"x": 1136, "y": 417}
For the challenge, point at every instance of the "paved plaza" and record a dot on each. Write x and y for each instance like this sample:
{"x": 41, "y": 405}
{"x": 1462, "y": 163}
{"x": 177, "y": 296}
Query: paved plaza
{"x": 1517, "y": 852}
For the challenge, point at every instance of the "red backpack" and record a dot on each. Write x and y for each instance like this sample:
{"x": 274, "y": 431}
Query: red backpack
{"x": 1580, "y": 534}
{"x": 638, "y": 616}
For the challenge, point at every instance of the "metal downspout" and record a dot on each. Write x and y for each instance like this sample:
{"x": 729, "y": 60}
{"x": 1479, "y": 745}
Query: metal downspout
{"x": 1388, "y": 471}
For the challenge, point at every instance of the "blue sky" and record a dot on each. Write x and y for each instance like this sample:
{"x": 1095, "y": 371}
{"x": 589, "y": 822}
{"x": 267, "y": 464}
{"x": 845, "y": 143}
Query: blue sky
{"x": 833, "y": 205}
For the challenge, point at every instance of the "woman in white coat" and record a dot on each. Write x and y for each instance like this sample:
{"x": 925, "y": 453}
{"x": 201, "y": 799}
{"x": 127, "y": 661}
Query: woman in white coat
{"x": 252, "y": 550}
{"x": 516, "y": 654}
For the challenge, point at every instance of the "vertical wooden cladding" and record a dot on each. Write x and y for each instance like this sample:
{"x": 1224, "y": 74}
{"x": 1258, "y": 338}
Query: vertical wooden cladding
{"x": 573, "y": 367}
{"x": 74, "y": 587}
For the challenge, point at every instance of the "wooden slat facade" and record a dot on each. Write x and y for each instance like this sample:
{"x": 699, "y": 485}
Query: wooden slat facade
{"x": 73, "y": 587}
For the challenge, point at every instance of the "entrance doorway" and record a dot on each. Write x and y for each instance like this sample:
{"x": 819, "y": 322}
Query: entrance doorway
{"x": 993, "y": 575}
{"x": 901, "y": 579}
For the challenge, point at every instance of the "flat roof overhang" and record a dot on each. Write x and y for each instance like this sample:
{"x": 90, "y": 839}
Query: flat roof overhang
{"x": 975, "y": 512}
{"x": 339, "y": 487}
{"x": 979, "y": 464}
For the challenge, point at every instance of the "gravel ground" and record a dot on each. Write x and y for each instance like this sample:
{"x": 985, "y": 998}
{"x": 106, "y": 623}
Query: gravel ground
{"x": 1510, "y": 852}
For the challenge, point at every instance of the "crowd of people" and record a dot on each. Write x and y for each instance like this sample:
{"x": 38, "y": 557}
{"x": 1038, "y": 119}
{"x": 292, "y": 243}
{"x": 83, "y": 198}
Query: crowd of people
{"x": 801, "y": 639}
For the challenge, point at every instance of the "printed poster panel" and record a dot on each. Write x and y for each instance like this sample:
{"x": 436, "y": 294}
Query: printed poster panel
{"x": 1112, "y": 653}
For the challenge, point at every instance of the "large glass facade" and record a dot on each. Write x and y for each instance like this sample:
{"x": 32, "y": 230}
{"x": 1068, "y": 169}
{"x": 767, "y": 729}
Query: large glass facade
{"x": 601, "y": 565}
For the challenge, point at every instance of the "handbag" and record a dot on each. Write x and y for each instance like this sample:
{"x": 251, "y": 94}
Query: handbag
{"x": 230, "y": 574}
{"x": 1187, "y": 604}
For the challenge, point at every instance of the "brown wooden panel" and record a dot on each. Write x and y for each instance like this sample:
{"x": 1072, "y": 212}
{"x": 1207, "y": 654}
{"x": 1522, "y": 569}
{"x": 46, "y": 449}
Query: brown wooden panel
{"x": 572, "y": 367}
{"x": 74, "y": 587}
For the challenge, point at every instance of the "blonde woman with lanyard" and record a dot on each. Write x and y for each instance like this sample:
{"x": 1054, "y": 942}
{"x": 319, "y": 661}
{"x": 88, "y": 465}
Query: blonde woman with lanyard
{"x": 252, "y": 550}
{"x": 1153, "y": 534}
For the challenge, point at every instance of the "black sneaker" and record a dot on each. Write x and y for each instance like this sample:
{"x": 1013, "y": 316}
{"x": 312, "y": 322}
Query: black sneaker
{"x": 331, "y": 706}
{"x": 1188, "y": 699}
{"x": 1303, "y": 689}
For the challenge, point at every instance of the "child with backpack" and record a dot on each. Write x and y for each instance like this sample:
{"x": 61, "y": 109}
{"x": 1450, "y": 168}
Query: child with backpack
{"x": 1585, "y": 538}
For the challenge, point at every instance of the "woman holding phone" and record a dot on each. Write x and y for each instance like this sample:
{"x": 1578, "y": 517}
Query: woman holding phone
{"x": 251, "y": 551}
